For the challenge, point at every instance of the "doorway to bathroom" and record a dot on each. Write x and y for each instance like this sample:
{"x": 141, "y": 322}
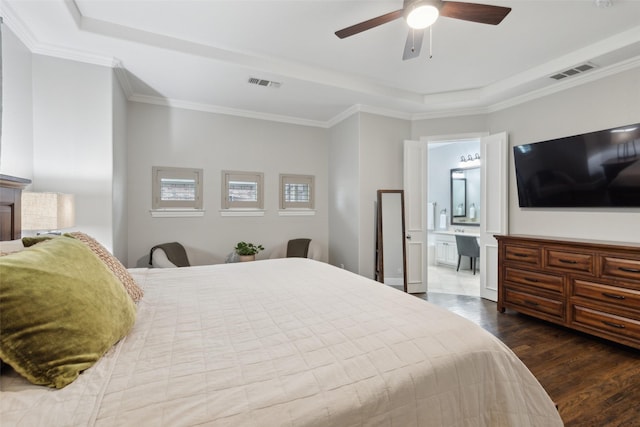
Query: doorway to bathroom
{"x": 453, "y": 194}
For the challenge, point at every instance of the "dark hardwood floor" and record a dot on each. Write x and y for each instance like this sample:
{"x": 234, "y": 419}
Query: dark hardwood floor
{"x": 594, "y": 382}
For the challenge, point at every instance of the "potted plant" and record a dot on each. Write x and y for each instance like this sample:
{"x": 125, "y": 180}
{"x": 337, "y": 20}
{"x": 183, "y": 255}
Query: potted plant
{"x": 247, "y": 251}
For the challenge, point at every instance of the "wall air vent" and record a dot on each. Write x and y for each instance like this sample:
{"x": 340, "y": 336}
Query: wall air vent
{"x": 263, "y": 82}
{"x": 573, "y": 71}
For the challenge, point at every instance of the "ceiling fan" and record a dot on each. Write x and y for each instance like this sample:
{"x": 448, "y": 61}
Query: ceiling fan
{"x": 420, "y": 14}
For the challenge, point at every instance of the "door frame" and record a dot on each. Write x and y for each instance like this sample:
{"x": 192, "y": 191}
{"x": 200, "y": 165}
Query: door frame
{"x": 494, "y": 148}
{"x": 426, "y": 140}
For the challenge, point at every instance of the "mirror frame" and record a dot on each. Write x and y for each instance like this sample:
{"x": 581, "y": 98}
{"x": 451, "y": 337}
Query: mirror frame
{"x": 379, "y": 273}
{"x": 466, "y": 201}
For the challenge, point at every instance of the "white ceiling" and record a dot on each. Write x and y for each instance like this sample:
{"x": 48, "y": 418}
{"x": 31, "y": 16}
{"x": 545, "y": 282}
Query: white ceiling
{"x": 200, "y": 53}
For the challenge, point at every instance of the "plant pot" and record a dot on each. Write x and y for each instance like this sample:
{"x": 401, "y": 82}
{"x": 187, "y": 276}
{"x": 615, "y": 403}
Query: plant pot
{"x": 244, "y": 258}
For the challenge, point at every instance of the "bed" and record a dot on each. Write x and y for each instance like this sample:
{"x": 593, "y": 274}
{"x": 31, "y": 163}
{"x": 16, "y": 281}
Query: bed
{"x": 284, "y": 342}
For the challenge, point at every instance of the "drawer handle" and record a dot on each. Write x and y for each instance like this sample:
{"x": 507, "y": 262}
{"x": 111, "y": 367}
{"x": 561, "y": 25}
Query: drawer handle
{"x": 531, "y": 279}
{"x": 608, "y": 295}
{"x": 629, "y": 270}
{"x": 613, "y": 325}
{"x": 520, "y": 255}
{"x": 533, "y": 303}
{"x": 567, "y": 261}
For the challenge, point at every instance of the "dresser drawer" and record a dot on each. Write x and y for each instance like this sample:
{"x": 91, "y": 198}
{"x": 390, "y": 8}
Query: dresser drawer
{"x": 522, "y": 254}
{"x": 570, "y": 261}
{"x": 620, "y": 297}
{"x": 537, "y": 303}
{"x": 602, "y": 321}
{"x": 620, "y": 267}
{"x": 546, "y": 281}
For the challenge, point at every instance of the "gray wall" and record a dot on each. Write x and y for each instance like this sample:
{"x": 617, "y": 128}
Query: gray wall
{"x": 366, "y": 155}
{"x": 344, "y": 185}
{"x": 73, "y": 143}
{"x": 119, "y": 199}
{"x": 60, "y": 118}
{"x": 605, "y": 103}
{"x": 381, "y": 167}
{"x": 457, "y": 125}
{"x": 161, "y": 136}
{"x": 602, "y": 104}
{"x": 16, "y": 150}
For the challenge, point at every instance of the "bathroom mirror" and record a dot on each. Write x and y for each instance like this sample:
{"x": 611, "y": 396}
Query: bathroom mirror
{"x": 465, "y": 196}
{"x": 390, "y": 234}
{"x": 458, "y": 196}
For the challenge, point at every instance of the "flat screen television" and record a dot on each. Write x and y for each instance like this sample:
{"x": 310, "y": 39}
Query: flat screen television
{"x": 596, "y": 169}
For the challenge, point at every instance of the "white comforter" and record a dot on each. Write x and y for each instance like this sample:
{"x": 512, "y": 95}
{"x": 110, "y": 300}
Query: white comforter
{"x": 288, "y": 342}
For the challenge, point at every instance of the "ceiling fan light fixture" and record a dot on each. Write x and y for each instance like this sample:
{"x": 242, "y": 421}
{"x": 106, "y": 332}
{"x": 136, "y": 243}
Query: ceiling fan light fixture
{"x": 422, "y": 14}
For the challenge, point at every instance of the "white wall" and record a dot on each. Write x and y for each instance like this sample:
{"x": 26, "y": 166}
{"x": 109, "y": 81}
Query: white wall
{"x": 72, "y": 134}
{"x": 16, "y": 148}
{"x": 606, "y": 103}
{"x": 161, "y": 136}
{"x": 344, "y": 184}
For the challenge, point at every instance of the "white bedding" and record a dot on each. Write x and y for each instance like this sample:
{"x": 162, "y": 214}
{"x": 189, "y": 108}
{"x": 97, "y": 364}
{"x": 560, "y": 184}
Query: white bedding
{"x": 288, "y": 342}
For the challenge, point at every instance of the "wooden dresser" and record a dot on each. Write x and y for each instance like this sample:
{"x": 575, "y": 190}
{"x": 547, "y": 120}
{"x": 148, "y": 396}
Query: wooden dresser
{"x": 10, "y": 206}
{"x": 589, "y": 286}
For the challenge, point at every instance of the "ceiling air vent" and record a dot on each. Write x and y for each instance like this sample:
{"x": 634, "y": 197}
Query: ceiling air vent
{"x": 263, "y": 82}
{"x": 573, "y": 71}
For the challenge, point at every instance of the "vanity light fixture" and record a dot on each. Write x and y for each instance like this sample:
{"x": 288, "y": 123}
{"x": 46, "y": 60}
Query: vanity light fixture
{"x": 469, "y": 158}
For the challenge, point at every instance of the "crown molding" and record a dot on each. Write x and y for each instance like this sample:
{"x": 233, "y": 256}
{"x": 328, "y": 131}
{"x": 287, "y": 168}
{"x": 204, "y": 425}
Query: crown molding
{"x": 39, "y": 48}
{"x": 187, "y": 105}
{"x": 363, "y": 108}
{"x": 343, "y": 115}
{"x": 123, "y": 78}
{"x": 16, "y": 25}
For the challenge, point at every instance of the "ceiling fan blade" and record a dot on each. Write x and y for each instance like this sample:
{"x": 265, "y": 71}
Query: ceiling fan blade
{"x": 413, "y": 44}
{"x": 371, "y": 23}
{"x": 482, "y": 13}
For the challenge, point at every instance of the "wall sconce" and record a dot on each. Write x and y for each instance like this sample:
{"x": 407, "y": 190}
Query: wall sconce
{"x": 47, "y": 212}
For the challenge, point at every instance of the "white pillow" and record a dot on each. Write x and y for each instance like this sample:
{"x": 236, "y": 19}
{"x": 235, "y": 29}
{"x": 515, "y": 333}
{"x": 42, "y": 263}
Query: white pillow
{"x": 159, "y": 259}
{"x": 11, "y": 246}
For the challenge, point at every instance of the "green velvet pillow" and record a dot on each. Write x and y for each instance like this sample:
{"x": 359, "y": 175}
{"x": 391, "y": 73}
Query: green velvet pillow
{"x": 30, "y": 241}
{"x": 61, "y": 309}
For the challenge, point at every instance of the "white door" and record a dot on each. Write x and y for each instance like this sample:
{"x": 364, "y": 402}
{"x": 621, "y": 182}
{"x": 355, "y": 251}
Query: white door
{"x": 494, "y": 199}
{"x": 415, "y": 185}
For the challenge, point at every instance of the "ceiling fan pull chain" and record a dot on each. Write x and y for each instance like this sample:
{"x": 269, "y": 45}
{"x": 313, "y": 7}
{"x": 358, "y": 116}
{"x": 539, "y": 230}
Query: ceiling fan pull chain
{"x": 413, "y": 40}
{"x": 431, "y": 42}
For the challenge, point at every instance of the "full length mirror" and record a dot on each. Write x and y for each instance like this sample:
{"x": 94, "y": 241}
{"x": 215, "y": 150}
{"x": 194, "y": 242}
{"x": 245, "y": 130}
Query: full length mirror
{"x": 465, "y": 196}
{"x": 390, "y": 247}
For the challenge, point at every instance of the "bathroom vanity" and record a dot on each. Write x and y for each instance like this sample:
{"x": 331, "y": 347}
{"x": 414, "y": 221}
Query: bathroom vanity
{"x": 446, "y": 251}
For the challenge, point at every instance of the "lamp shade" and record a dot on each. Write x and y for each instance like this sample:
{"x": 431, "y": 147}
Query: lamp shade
{"x": 47, "y": 211}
